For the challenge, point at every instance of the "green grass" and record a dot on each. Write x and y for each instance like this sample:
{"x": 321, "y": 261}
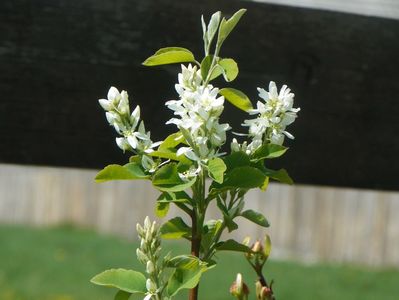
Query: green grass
{"x": 57, "y": 264}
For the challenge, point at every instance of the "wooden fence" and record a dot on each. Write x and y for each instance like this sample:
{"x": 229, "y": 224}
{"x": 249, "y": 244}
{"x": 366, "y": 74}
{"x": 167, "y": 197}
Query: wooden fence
{"x": 307, "y": 222}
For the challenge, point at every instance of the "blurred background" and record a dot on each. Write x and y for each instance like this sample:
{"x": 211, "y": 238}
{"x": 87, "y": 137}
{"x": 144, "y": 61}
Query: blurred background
{"x": 335, "y": 233}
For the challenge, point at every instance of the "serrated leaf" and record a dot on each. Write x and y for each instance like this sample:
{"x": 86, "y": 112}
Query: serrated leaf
{"x": 226, "y": 26}
{"x": 269, "y": 151}
{"x": 175, "y": 228}
{"x": 169, "y": 55}
{"x": 230, "y": 68}
{"x": 167, "y": 179}
{"x": 126, "y": 280}
{"x": 232, "y": 245}
{"x": 122, "y": 295}
{"x": 255, "y": 217}
{"x": 237, "y": 98}
{"x": 129, "y": 171}
{"x": 216, "y": 168}
{"x": 279, "y": 175}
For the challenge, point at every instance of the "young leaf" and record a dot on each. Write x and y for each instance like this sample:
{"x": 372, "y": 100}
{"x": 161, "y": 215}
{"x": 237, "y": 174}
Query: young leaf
{"x": 232, "y": 245}
{"x": 129, "y": 171}
{"x": 216, "y": 168}
{"x": 269, "y": 151}
{"x": 126, "y": 280}
{"x": 279, "y": 175}
{"x": 213, "y": 27}
{"x": 161, "y": 209}
{"x": 169, "y": 55}
{"x": 255, "y": 217}
{"x": 237, "y": 98}
{"x": 122, "y": 295}
{"x": 175, "y": 228}
{"x": 167, "y": 179}
{"x": 227, "y": 26}
{"x": 184, "y": 262}
{"x": 268, "y": 246}
{"x": 211, "y": 228}
{"x": 172, "y": 141}
{"x": 236, "y": 159}
{"x": 183, "y": 278}
{"x": 230, "y": 68}
{"x": 244, "y": 177}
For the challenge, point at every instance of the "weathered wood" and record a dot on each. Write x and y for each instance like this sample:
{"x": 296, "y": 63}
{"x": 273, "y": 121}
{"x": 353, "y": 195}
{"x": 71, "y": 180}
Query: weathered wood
{"x": 58, "y": 57}
{"x": 379, "y": 8}
{"x": 308, "y": 223}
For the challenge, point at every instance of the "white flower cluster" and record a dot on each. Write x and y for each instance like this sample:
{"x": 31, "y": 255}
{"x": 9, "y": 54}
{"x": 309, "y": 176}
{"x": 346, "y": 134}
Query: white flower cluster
{"x": 134, "y": 137}
{"x": 199, "y": 109}
{"x": 149, "y": 255}
{"x": 118, "y": 115}
{"x": 273, "y": 116}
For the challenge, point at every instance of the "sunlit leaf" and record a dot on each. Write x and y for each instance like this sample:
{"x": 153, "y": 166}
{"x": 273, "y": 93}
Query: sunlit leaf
{"x": 237, "y": 98}
{"x": 126, "y": 280}
{"x": 169, "y": 55}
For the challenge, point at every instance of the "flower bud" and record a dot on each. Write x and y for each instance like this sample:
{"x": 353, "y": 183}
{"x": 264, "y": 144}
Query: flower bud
{"x": 150, "y": 267}
{"x": 141, "y": 256}
{"x": 151, "y": 286}
{"x": 257, "y": 247}
{"x": 105, "y": 104}
{"x": 263, "y": 292}
{"x": 239, "y": 289}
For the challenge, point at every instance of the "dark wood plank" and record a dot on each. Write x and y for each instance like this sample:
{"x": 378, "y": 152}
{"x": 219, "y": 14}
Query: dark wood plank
{"x": 58, "y": 57}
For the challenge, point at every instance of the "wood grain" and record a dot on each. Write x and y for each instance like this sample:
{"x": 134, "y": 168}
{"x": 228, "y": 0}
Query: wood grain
{"x": 58, "y": 57}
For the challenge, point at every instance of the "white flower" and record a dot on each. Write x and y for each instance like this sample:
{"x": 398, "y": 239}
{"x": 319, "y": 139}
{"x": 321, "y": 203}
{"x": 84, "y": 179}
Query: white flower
{"x": 197, "y": 113}
{"x": 189, "y": 79}
{"x": 273, "y": 116}
{"x": 118, "y": 115}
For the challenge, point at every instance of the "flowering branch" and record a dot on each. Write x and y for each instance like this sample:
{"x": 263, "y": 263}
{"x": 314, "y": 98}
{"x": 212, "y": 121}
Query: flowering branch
{"x": 180, "y": 165}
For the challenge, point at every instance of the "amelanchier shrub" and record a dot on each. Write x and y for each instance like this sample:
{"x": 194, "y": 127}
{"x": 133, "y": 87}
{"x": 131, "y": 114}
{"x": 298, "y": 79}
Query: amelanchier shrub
{"x": 180, "y": 165}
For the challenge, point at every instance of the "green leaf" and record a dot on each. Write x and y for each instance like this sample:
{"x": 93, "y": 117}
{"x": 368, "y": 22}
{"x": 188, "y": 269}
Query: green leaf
{"x": 269, "y": 151}
{"x": 279, "y": 175}
{"x": 165, "y": 153}
{"x": 169, "y": 55}
{"x": 126, "y": 280}
{"x": 268, "y": 246}
{"x": 161, "y": 209}
{"x": 230, "y": 68}
{"x": 211, "y": 228}
{"x": 172, "y": 141}
{"x": 129, "y": 171}
{"x": 122, "y": 295}
{"x": 232, "y": 245}
{"x": 175, "y": 228}
{"x": 168, "y": 197}
{"x": 167, "y": 179}
{"x": 213, "y": 27}
{"x": 185, "y": 278}
{"x": 227, "y": 26}
{"x": 236, "y": 159}
{"x": 237, "y": 98}
{"x": 244, "y": 177}
{"x": 216, "y": 168}
{"x": 184, "y": 262}
{"x": 255, "y": 217}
